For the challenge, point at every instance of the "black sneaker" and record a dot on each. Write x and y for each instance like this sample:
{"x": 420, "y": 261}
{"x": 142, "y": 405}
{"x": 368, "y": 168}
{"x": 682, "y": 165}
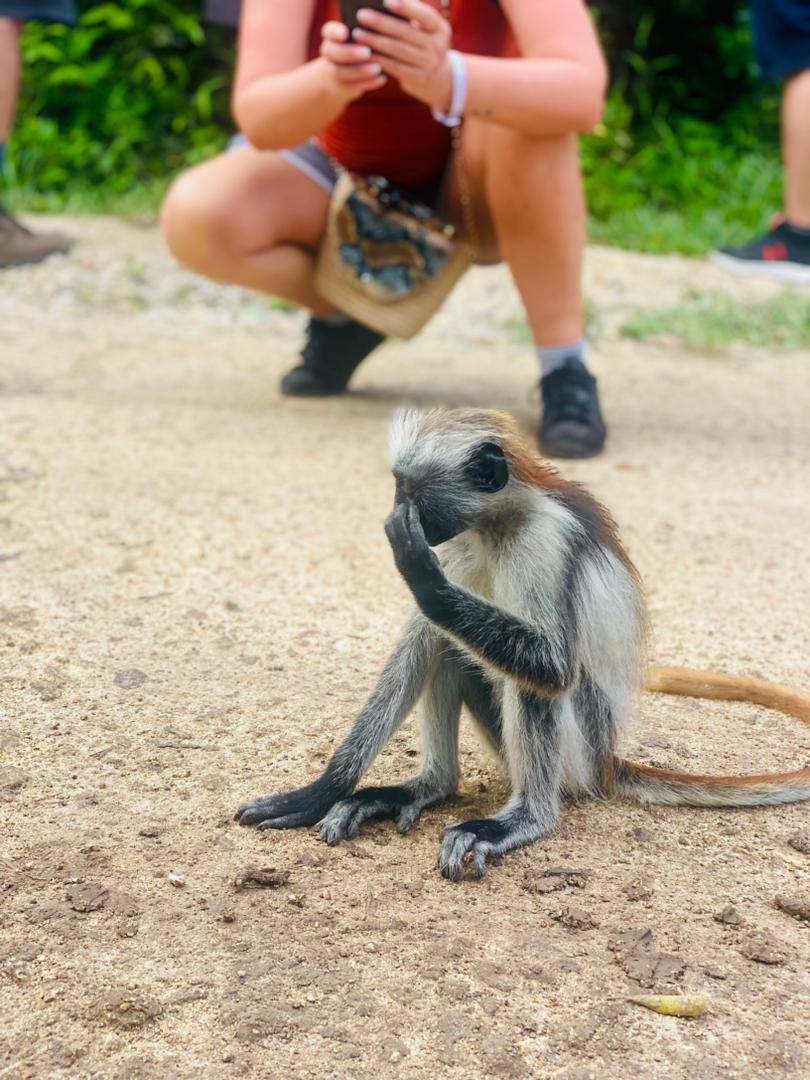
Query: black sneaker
{"x": 572, "y": 424}
{"x": 330, "y": 356}
{"x": 783, "y": 253}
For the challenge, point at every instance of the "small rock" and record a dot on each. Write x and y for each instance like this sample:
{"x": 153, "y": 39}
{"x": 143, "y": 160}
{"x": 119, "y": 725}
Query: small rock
{"x": 12, "y": 780}
{"x": 127, "y": 1010}
{"x": 801, "y": 841}
{"x": 637, "y": 890}
{"x": 641, "y": 961}
{"x": 797, "y": 905}
{"x": 88, "y": 897}
{"x": 575, "y": 918}
{"x": 176, "y": 879}
{"x": 729, "y": 916}
{"x": 260, "y": 878}
{"x": 131, "y": 679}
{"x": 764, "y": 948}
{"x": 642, "y": 835}
{"x": 150, "y": 831}
{"x": 555, "y": 878}
{"x": 48, "y": 691}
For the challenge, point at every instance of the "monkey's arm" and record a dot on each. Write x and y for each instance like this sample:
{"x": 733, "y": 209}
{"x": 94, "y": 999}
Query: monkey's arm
{"x": 497, "y": 637}
{"x": 396, "y": 693}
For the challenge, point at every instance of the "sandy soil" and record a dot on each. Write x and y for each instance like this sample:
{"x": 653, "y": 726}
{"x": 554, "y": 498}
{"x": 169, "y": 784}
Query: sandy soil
{"x": 195, "y": 596}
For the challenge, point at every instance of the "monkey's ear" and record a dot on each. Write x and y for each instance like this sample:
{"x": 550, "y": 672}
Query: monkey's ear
{"x": 489, "y": 469}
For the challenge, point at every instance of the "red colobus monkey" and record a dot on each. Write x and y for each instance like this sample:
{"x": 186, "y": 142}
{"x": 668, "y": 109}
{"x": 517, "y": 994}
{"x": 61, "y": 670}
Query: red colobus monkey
{"x": 530, "y": 614}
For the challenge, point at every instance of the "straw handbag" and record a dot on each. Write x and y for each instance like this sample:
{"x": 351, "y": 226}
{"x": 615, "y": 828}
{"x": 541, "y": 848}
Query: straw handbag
{"x": 388, "y": 260}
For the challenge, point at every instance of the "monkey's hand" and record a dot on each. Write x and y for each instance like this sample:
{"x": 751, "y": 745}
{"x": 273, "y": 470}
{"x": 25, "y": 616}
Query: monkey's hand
{"x": 290, "y": 809}
{"x": 415, "y": 560}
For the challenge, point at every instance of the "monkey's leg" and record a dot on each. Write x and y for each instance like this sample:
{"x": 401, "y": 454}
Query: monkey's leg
{"x": 396, "y": 694}
{"x": 438, "y": 776}
{"x": 531, "y": 745}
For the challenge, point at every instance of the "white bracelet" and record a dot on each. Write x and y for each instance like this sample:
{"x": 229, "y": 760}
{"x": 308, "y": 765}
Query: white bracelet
{"x": 453, "y": 117}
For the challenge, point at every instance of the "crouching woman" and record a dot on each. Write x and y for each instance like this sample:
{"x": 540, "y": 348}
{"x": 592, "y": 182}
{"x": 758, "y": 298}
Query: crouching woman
{"x": 524, "y": 77}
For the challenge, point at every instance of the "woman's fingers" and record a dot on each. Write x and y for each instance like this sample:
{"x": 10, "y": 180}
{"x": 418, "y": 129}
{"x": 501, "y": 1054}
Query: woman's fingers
{"x": 352, "y": 74}
{"x": 393, "y": 47}
{"x": 335, "y": 31}
{"x": 415, "y": 11}
{"x": 345, "y": 55}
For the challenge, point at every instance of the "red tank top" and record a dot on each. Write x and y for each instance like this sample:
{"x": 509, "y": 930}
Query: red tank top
{"x": 388, "y": 133}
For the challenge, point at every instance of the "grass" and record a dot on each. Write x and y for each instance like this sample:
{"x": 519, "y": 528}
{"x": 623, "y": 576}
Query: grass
{"x": 711, "y": 322}
{"x": 141, "y": 202}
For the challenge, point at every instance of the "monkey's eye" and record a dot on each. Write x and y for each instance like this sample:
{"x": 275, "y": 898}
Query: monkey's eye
{"x": 487, "y": 468}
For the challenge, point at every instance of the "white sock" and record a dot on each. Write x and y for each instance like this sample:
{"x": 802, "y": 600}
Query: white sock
{"x": 335, "y": 318}
{"x": 555, "y": 357}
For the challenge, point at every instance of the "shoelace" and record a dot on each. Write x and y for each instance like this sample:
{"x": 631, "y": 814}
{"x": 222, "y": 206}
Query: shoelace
{"x": 572, "y": 399}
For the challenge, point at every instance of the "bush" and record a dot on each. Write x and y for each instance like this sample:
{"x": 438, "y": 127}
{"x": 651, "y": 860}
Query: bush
{"x": 137, "y": 91}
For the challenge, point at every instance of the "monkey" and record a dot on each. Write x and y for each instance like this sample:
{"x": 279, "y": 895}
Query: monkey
{"x": 531, "y": 615}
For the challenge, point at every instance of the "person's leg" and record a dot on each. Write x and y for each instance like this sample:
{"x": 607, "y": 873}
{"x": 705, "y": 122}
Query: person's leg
{"x": 254, "y": 219}
{"x": 782, "y": 40}
{"x": 10, "y": 69}
{"x": 530, "y": 210}
{"x": 796, "y": 149}
{"x": 18, "y": 245}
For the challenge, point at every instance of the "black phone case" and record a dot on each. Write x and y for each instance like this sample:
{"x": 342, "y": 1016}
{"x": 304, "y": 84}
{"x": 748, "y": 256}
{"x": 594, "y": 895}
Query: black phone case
{"x": 349, "y": 9}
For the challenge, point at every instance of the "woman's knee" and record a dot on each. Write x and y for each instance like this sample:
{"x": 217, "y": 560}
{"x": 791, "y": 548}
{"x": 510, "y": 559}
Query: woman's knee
{"x": 197, "y": 222}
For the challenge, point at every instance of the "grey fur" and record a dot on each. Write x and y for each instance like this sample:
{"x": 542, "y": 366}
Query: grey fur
{"x": 531, "y": 616}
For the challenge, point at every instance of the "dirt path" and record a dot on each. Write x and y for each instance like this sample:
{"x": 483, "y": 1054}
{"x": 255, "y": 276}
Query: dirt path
{"x": 195, "y": 596}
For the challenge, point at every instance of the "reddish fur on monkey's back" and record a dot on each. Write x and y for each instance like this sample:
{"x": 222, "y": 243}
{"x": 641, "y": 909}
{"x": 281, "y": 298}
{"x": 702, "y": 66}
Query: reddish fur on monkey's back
{"x": 534, "y": 471}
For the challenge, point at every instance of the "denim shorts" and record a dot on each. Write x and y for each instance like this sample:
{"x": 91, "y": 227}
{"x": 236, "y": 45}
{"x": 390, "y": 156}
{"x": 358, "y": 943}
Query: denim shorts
{"x": 308, "y": 158}
{"x": 54, "y": 11}
{"x": 782, "y": 36}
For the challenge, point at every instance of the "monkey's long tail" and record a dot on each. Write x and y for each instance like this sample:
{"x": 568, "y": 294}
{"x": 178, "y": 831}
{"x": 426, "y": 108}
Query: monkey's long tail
{"x": 645, "y": 784}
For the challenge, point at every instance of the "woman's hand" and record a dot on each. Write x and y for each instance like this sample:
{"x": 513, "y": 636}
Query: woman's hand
{"x": 352, "y": 70}
{"x": 412, "y": 48}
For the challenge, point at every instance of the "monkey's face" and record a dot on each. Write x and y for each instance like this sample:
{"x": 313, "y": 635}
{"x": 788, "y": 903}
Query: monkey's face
{"x": 450, "y": 491}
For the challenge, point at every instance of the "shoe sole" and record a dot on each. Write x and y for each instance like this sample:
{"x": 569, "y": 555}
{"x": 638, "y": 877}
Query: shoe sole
{"x": 31, "y": 260}
{"x": 570, "y": 452}
{"x": 788, "y": 273}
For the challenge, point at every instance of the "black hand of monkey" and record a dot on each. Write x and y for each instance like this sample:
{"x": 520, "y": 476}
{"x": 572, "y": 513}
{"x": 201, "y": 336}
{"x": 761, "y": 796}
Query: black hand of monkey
{"x": 413, "y": 556}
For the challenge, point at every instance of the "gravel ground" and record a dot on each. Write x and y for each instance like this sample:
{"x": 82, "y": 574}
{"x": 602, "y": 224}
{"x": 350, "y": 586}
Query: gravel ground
{"x": 195, "y": 596}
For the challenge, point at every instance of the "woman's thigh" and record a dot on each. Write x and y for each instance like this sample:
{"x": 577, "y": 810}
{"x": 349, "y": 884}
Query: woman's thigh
{"x": 247, "y": 201}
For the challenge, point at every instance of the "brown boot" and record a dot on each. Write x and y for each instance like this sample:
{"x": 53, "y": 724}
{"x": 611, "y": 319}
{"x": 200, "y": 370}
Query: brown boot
{"x": 19, "y": 245}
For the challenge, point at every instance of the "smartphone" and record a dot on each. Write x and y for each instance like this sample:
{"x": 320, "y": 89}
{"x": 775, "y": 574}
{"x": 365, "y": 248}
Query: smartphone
{"x": 349, "y": 9}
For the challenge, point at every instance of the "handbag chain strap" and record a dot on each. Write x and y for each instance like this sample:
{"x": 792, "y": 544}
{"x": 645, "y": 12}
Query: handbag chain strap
{"x": 470, "y": 232}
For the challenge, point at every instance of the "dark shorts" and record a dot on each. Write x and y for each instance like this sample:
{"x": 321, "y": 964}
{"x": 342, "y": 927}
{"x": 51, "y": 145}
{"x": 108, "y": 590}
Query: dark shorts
{"x": 54, "y": 11}
{"x": 782, "y": 36}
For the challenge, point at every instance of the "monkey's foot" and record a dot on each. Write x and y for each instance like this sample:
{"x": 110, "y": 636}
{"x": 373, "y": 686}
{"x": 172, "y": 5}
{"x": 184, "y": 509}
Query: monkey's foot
{"x": 291, "y": 809}
{"x": 404, "y": 803}
{"x": 474, "y": 842}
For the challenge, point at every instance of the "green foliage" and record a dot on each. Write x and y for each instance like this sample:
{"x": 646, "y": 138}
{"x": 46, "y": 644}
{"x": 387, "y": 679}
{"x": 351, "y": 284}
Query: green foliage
{"x": 678, "y": 57}
{"x": 711, "y": 322}
{"x": 680, "y": 186}
{"x": 138, "y": 90}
